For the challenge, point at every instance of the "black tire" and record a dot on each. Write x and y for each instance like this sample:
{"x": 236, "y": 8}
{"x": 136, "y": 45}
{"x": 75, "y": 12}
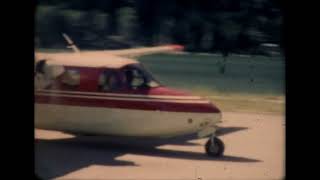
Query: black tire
{"x": 215, "y": 152}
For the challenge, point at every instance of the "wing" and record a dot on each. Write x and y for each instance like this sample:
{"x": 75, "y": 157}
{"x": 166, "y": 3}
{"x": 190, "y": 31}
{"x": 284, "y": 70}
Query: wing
{"x": 134, "y": 52}
{"x": 127, "y": 52}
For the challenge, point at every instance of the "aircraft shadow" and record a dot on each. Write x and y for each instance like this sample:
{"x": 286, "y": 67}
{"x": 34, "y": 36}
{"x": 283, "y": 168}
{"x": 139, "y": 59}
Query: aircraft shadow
{"x": 55, "y": 158}
{"x": 180, "y": 140}
{"x": 228, "y": 130}
{"x": 58, "y": 157}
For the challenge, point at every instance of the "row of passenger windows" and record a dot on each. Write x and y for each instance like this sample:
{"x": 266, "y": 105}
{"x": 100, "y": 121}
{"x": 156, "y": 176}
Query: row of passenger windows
{"x": 133, "y": 78}
{"x": 109, "y": 80}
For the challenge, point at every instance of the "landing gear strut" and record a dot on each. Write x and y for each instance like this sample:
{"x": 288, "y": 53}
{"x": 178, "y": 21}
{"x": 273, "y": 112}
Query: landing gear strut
{"x": 214, "y": 146}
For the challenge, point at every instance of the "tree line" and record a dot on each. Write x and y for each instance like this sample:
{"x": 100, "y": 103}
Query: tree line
{"x": 224, "y": 26}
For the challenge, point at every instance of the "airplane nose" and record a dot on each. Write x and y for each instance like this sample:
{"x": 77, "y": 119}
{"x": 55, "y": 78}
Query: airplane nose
{"x": 216, "y": 113}
{"x": 212, "y": 119}
{"x": 215, "y": 109}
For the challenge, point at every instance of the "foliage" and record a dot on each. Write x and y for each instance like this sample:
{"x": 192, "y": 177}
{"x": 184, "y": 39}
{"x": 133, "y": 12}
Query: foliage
{"x": 224, "y": 26}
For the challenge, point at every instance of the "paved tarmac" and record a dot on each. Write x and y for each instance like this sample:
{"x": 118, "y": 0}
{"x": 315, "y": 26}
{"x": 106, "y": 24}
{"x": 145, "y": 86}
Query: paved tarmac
{"x": 255, "y": 149}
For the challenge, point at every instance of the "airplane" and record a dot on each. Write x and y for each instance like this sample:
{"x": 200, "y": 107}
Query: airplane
{"x": 107, "y": 92}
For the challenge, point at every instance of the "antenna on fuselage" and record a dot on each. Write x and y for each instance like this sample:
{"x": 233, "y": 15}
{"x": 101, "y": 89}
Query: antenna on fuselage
{"x": 71, "y": 44}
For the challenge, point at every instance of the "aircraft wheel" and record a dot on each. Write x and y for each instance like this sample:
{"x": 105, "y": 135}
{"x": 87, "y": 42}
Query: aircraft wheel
{"x": 216, "y": 149}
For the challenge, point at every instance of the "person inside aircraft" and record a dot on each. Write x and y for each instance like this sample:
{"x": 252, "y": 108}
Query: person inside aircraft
{"x": 137, "y": 78}
{"x": 129, "y": 78}
{"x": 109, "y": 81}
{"x": 40, "y": 66}
{"x": 41, "y": 79}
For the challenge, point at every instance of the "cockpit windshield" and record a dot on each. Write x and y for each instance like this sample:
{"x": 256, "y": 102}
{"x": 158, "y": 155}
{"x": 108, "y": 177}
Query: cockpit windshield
{"x": 138, "y": 77}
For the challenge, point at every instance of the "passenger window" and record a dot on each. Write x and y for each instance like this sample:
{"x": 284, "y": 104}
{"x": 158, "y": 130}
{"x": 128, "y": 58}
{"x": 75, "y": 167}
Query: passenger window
{"x": 109, "y": 81}
{"x": 46, "y": 75}
{"x": 71, "y": 77}
{"x": 39, "y": 68}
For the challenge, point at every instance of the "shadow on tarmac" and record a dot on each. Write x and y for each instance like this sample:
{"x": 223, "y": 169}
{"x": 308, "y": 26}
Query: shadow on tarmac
{"x": 58, "y": 157}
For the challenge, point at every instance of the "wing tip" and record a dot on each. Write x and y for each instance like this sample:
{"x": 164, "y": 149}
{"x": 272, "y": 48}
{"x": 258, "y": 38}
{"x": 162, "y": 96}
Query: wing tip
{"x": 177, "y": 47}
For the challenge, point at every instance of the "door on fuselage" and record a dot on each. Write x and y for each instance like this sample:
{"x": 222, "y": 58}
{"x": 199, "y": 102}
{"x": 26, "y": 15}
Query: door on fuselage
{"x": 110, "y": 81}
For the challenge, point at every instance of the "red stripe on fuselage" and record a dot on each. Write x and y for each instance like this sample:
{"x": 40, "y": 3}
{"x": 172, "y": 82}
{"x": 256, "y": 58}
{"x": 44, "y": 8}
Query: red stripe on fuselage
{"x": 125, "y": 104}
{"x": 116, "y": 95}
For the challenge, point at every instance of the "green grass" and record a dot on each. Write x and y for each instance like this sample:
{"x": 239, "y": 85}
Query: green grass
{"x": 232, "y": 91}
{"x": 200, "y": 73}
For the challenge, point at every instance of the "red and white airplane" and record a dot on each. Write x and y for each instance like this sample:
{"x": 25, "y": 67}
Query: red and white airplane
{"x": 107, "y": 93}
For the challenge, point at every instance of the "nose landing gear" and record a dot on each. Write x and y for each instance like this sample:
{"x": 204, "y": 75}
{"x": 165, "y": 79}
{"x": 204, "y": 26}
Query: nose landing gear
{"x": 214, "y": 147}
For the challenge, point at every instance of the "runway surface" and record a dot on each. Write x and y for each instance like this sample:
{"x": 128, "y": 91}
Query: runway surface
{"x": 255, "y": 149}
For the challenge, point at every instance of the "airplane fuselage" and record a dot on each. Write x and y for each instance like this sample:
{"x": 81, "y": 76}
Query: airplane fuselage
{"x": 140, "y": 112}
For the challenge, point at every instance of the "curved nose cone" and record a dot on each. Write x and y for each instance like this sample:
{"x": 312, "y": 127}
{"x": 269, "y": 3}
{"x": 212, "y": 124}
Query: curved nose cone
{"x": 185, "y": 102}
{"x": 214, "y": 108}
{"x": 216, "y": 114}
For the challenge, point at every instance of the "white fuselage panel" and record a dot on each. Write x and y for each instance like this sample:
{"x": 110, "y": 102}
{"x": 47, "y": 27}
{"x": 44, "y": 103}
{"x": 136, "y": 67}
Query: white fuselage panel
{"x": 122, "y": 122}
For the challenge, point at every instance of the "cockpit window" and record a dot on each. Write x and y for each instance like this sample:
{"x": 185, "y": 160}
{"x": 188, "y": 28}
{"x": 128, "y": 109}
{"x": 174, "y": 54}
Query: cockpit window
{"x": 137, "y": 77}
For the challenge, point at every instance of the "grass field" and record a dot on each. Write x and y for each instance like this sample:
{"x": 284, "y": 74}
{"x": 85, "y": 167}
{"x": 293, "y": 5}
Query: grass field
{"x": 232, "y": 91}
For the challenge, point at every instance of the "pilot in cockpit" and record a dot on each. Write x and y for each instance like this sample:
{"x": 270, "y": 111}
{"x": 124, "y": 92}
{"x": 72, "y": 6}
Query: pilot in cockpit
{"x": 129, "y": 78}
